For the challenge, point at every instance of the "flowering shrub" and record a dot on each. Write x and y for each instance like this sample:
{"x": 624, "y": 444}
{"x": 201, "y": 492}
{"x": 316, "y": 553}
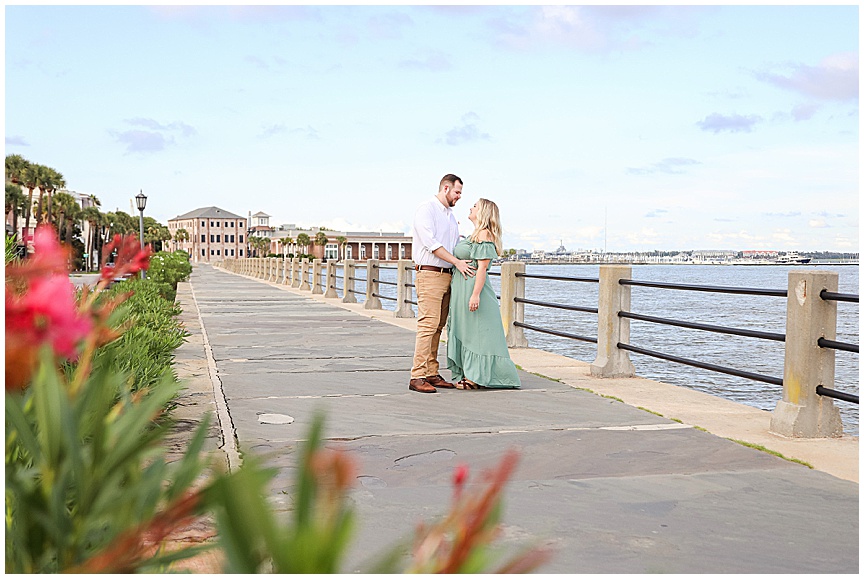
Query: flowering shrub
{"x": 89, "y": 488}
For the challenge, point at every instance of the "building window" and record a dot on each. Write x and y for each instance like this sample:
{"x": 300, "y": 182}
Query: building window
{"x": 241, "y": 252}
{"x": 203, "y": 252}
{"x": 203, "y": 224}
{"x": 401, "y": 252}
{"x": 203, "y": 238}
{"x": 374, "y": 251}
{"x": 217, "y": 238}
{"x": 217, "y": 251}
{"x": 348, "y": 252}
{"x": 241, "y": 239}
{"x": 230, "y": 224}
{"x": 389, "y": 252}
{"x": 331, "y": 251}
{"x": 232, "y": 239}
{"x": 241, "y": 225}
{"x": 232, "y": 253}
{"x": 212, "y": 238}
{"x": 362, "y": 251}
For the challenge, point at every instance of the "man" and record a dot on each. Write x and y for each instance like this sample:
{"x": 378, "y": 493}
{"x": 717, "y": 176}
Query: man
{"x": 436, "y": 233}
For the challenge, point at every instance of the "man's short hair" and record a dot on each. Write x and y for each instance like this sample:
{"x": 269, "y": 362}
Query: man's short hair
{"x": 449, "y": 178}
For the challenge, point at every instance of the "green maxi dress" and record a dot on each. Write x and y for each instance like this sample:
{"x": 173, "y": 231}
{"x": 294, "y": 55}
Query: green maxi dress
{"x": 476, "y": 347}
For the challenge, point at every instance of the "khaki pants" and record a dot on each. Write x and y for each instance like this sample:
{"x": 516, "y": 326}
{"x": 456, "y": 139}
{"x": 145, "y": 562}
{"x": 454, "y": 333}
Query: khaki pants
{"x": 433, "y": 306}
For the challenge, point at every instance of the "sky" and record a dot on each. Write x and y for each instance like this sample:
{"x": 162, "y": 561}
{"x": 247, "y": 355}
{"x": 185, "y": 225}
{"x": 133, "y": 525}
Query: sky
{"x": 617, "y": 128}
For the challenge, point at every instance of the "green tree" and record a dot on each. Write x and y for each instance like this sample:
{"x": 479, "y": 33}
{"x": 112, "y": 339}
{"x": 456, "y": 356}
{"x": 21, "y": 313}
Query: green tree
{"x": 342, "y": 240}
{"x": 28, "y": 176}
{"x": 180, "y": 236}
{"x": 303, "y": 240}
{"x": 54, "y": 180}
{"x": 321, "y": 239}
{"x": 15, "y": 201}
{"x": 15, "y": 165}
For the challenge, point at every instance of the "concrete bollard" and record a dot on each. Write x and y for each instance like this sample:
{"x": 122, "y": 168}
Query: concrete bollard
{"x": 304, "y": 274}
{"x": 802, "y": 413}
{"x": 348, "y": 296}
{"x": 372, "y": 302}
{"x": 316, "y": 277}
{"x": 295, "y": 272}
{"x": 611, "y": 361}
{"x": 273, "y": 264}
{"x": 404, "y": 276}
{"x": 331, "y": 280}
{"x": 513, "y": 286}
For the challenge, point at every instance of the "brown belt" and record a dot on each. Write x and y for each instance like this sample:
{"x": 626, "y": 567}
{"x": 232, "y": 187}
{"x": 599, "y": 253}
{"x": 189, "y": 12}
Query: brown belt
{"x": 433, "y": 268}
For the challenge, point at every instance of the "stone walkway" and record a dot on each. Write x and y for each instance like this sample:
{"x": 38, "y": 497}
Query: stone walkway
{"x": 612, "y": 487}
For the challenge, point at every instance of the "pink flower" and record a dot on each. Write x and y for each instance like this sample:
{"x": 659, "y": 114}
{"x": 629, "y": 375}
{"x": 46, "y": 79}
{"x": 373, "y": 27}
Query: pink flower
{"x": 46, "y": 314}
{"x": 460, "y": 475}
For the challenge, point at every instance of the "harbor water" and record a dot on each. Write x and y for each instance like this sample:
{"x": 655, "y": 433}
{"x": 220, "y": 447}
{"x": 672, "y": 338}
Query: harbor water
{"x": 731, "y": 310}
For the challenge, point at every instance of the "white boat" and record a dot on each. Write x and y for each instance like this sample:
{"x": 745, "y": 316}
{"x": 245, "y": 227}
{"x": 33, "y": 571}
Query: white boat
{"x": 791, "y": 258}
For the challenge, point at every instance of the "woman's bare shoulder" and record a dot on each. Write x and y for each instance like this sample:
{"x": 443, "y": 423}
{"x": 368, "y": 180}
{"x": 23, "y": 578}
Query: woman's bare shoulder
{"x": 484, "y": 235}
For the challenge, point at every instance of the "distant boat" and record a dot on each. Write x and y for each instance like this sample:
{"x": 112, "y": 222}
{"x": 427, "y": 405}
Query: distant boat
{"x": 791, "y": 258}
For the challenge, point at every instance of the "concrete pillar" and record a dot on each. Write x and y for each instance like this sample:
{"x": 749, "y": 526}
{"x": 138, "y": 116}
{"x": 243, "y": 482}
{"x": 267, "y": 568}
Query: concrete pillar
{"x": 331, "y": 280}
{"x": 404, "y": 276}
{"x": 304, "y": 274}
{"x": 283, "y": 277}
{"x": 295, "y": 272}
{"x": 511, "y": 311}
{"x": 348, "y": 296}
{"x": 612, "y": 362}
{"x": 273, "y": 264}
{"x": 316, "y": 277}
{"x": 372, "y": 302}
{"x": 802, "y": 413}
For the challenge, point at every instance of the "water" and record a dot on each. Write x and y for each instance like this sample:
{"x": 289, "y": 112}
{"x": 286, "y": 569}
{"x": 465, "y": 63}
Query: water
{"x": 737, "y": 311}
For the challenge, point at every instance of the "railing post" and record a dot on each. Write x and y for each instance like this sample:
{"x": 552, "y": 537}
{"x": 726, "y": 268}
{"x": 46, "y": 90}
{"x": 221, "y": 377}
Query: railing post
{"x": 273, "y": 264}
{"x": 284, "y": 271}
{"x": 802, "y": 413}
{"x": 348, "y": 296}
{"x": 295, "y": 272}
{"x": 611, "y": 361}
{"x": 304, "y": 274}
{"x": 404, "y": 276}
{"x": 316, "y": 277}
{"x": 512, "y": 287}
{"x": 372, "y": 302}
{"x": 331, "y": 280}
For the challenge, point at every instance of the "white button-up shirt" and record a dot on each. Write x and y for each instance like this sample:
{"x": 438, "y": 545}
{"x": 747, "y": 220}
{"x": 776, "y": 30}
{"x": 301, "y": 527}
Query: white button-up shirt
{"x": 434, "y": 226}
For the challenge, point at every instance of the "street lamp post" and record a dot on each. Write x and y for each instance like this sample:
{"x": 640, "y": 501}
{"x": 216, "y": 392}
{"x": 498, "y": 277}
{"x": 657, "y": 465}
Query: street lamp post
{"x": 141, "y": 202}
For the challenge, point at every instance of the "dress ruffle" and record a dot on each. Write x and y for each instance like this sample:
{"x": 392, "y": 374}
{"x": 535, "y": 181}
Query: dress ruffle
{"x": 486, "y": 370}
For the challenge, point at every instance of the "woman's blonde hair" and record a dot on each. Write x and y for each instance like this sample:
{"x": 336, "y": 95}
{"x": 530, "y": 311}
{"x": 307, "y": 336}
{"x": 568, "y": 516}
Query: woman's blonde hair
{"x": 487, "y": 218}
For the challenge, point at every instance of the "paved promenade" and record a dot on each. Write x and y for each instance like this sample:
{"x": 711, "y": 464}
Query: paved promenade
{"x": 611, "y": 487}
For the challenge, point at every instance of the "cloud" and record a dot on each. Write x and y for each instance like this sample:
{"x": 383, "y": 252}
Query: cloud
{"x": 142, "y": 141}
{"x": 835, "y": 78}
{"x": 783, "y": 235}
{"x": 732, "y": 123}
{"x": 17, "y": 140}
{"x": 156, "y": 138}
{"x": 827, "y": 214}
{"x": 786, "y": 214}
{"x": 656, "y": 213}
{"x": 671, "y": 166}
{"x": 255, "y": 14}
{"x": 466, "y": 133}
{"x": 271, "y": 131}
{"x": 593, "y": 28}
{"x": 804, "y": 112}
{"x": 818, "y": 223}
{"x": 433, "y": 61}
{"x": 722, "y": 237}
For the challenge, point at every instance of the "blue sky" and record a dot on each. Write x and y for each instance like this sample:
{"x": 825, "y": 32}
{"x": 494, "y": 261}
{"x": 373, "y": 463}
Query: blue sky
{"x": 631, "y": 128}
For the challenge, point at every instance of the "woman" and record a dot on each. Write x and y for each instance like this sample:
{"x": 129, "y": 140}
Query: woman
{"x": 476, "y": 348}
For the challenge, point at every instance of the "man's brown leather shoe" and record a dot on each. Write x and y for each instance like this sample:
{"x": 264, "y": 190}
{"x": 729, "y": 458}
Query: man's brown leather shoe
{"x": 439, "y": 382}
{"x": 421, "y": 385}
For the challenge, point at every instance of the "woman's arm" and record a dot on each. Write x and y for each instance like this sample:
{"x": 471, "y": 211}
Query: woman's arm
{"x": 479, "y": 280}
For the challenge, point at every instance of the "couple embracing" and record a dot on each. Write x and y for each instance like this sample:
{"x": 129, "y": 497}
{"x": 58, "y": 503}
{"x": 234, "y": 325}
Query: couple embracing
{"x": 452, "y": 283}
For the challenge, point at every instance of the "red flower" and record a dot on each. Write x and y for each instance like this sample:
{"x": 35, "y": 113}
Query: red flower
{"x": 460, "y": 474}
{"x": 130, "y": 257}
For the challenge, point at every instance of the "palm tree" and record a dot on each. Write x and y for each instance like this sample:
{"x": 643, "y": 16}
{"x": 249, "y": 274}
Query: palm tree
{"x": 180, "y": 236}
{"x": 303, "y": 240}
{"x": 28, "y": 177}
{"x": 15, "y": 200}
{"x": 287, "y": 241}
{"x": 321, "y": 240}
{"x": 55, "y": 181}
{"x": 342, "y": 240}
{"x": 15, "y": 164}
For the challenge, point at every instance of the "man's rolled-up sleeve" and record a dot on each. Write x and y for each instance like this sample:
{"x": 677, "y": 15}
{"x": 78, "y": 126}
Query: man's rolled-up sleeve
{"x": 425, "y": 229}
